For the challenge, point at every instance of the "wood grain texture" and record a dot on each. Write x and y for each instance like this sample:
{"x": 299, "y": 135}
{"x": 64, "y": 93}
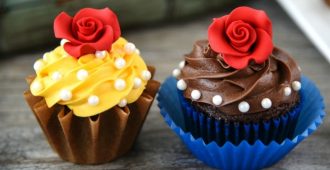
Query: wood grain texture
{"x": 23, "y": 146}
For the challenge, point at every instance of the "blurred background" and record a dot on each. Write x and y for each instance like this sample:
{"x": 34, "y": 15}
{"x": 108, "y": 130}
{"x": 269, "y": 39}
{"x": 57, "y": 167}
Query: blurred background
{"x": 163, "y": 30}
{"x": 27, "y": 24}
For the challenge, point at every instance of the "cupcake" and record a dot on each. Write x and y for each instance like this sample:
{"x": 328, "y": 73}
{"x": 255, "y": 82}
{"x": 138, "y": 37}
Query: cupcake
{"x": 92, "y": 93}
{"x": 239, "y": 102}
{"x": 240, "y": 81}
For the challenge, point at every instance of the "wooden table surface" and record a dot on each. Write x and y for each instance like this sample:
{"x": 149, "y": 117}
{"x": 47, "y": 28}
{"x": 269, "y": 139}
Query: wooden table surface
{"x": 23, "y": 146}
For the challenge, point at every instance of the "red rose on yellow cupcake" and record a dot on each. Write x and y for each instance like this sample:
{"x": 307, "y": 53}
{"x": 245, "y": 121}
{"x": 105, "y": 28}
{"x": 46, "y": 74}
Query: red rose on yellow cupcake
{"x": 90, "y": 30}
{"x": 243, "y": 35}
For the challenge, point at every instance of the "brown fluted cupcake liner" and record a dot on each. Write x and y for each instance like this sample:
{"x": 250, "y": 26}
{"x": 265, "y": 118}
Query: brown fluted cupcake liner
{"x": 96, "y": 139}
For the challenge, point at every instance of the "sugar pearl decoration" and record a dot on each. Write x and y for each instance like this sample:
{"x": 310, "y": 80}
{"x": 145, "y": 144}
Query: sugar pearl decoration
{"x": 146, "y": 75}
{"x": 137, "y": 83}
{"x": 122, "y": 103}
{"x": 130, "y": 48}
{"x": 100, "y": 54}
{"x": 176, "y": 72}
{"x": 38, "y": 65}
{"x": 56, "y": 76}
{"x": 266, "y": 103}
{"x": 181, "y": 64}
{"x": 181, "y": 84}
{"x": 217, "y": 100}
{"x": 120, "y": 63}
{"x": 82, "y": 74}
{"x": 63, "y": 41}
{"x": 299, "y": 68}
{"x": 93, "y": 100}
{"x": 243, "y": 107}
{"x": 287, "y": 91}
{"x": 138, "y": 51}
{"x": 65, "y": 95}
{"x": 296, "y": 85}
{"x": 196, "y": 94}
{"x": 45, "y": 57}
{"x": 120, "y": 84}
{"x": 36, "y": 86}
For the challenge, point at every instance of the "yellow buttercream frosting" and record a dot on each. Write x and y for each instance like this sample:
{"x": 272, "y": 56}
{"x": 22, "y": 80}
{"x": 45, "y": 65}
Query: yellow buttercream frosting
{"x": 93, "y": 83}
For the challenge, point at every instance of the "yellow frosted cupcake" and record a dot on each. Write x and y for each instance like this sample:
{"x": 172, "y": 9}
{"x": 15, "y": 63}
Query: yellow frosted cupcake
{"x": 92, "y": 93}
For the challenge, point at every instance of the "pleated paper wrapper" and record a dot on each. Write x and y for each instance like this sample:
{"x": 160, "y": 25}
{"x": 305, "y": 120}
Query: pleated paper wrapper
{"x": 210, "y": 129}
{"x": 97, "y": 139}
{"x": 244, "y": 155}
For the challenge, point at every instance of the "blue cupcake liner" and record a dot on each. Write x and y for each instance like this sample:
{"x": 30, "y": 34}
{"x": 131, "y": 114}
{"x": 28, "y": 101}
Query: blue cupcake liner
{"x": 210, "y": 129}
{"x": 244, "y": 155}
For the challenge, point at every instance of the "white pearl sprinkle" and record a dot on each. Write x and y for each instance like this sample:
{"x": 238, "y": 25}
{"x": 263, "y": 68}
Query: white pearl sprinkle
{"x": 296, "y": 85}
{"x": 122, "y": 103}
{"x": 196, "y": 94}
{"x": 137, "y": 82}
{"x": 45, "y": 57}
{"x": 217, "y": 100}
{"x": 36, "y": 86}
{"x": 38, "y": 65}
{"x": 63, "y": 41}
{"x": 130, "y": 48}
{"x": 56, "y": 76}
{"x": 287, "y": 91}
{"x": 93, "y": 100}
{"x": 146, "y": 75}
{"x": 266, "y": 103}
{"x": 299, "y": 68}
{"x": 176, "y": 72}
{"x": 120, "y": 84}
{"x": 65, "y": 95}
{"x": 100, "y": 54}
{"x": 120, "y": 63}
{"x": 82, "y": 74}
{"x": 138, "y": 51}
{"x": 181, "y": 84}
{"x": 181, "y": 64}
{"x": 243, "y": 107}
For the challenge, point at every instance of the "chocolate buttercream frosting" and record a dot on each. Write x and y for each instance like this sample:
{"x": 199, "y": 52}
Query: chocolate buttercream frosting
{"x": 206, "y": 72}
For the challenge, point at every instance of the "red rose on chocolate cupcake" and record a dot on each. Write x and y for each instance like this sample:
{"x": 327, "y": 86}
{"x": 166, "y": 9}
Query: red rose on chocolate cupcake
{"x": 90, "y": 30}
{"x": 242, "y": 36}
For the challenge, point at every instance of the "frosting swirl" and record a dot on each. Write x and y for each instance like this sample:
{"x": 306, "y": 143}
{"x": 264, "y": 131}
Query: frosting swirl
{"x": 94, "y": 82}
{"x": 206, "y": 72}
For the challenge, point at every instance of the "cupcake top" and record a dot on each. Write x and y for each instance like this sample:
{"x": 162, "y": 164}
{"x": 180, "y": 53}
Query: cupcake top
{"x": 238, "y": 70}
{"x": 94, "y": 69}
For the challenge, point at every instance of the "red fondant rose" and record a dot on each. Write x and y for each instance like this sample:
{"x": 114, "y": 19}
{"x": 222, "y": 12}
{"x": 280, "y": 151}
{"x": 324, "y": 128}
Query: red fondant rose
{"x": 243, "y": 35}
{"x": 90, "y": 30}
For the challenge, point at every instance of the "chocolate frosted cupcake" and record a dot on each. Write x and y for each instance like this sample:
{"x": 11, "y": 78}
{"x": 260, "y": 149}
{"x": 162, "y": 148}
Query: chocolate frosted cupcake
{"x": 255, "y": 93}
{"x": 92, "y": 93}
{"x": 238, "y": 102}
{"x": 237, "y": 83}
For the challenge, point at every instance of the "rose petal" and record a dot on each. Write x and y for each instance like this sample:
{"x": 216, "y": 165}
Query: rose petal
{"x": 62, "y": 27}
{"x": 217, "y": 40}
{"x": 256, "y": 18}
{"x": 104, "y": 43}
{"x": 237, "y": 62}
{"x": 244, "y": 44}
{"x": 106, "y": 16}
{"x": 263, "y": 47}
{"x": 88, "y": 25}
{"x": 78, "y": 50}
{"x": 85, "y": 36}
